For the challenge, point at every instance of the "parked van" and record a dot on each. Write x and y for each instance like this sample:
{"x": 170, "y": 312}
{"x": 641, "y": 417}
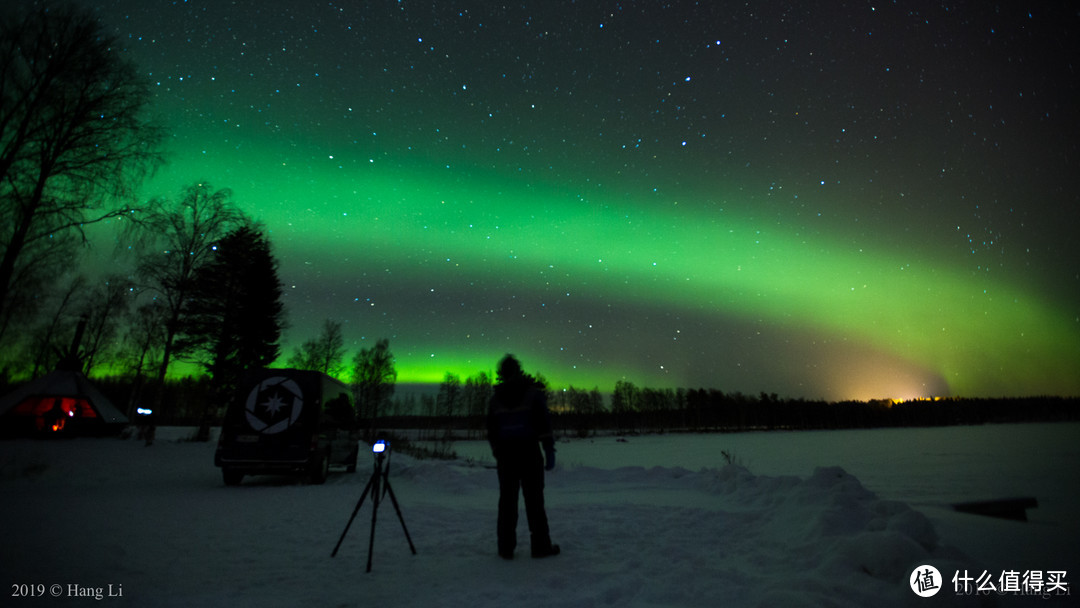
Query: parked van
{"x": 288, "y": 421}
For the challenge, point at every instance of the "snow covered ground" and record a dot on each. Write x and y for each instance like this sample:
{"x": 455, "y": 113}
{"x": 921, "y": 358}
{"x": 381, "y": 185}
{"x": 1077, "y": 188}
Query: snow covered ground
{"x": 835, "y": 518}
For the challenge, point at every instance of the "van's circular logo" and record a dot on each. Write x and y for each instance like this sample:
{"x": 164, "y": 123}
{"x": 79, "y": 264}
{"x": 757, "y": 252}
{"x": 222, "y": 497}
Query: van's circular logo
{"x": 273, "y": 405}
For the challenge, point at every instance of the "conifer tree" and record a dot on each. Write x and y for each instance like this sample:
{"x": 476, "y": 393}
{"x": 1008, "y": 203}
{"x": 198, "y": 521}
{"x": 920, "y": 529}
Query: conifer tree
{"x": 236, "y": 313}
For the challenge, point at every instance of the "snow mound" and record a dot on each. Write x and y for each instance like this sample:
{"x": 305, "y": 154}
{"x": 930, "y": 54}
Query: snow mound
{"x": 669, "y": 536}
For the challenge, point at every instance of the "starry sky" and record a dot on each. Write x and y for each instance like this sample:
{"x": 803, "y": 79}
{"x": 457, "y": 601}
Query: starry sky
{"x": 818, "y": 199}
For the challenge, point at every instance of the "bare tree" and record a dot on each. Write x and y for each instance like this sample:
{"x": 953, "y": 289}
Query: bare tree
{"x": 176, "y": 238}
{"x": 41, "y": 268}
{"x": 73, "y": 139}
{"x": 323, "y": 354}
{"x": 53, "y": 335}
{"x": 448, "y": 401}
{"x": 475, "y": 395}
{"x": 143, "y": 344}
{"x": 374, "y": 377}
{"x": 107, "y": 307}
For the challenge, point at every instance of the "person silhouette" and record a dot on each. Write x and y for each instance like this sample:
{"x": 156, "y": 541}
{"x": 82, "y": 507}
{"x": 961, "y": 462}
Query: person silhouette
{"x": 517, "y": 423}
{"x": 53, "y": 420}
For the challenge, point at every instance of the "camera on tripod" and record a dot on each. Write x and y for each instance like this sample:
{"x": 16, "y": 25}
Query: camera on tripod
{"x": 377, "y": 487}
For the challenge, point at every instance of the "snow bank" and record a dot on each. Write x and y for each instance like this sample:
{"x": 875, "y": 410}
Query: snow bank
{"x": 158, "y": 524}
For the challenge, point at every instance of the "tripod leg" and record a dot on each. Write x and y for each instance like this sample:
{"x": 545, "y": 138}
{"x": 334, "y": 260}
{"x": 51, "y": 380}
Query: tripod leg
{"x": 393, "y": 499}
{"x": 374, "y": 514}
{"x": 353, "y": 516}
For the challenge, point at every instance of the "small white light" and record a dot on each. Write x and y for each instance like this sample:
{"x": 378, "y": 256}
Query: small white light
{"x": 379, "y": 447}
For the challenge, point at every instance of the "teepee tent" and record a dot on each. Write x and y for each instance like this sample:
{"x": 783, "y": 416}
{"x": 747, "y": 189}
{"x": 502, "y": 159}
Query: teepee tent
{"x": 62, "y": 402}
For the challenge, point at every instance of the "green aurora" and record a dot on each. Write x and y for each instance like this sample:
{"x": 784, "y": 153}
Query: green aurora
{"x": 822, "y": 202}
{"x": 541, "y": 245}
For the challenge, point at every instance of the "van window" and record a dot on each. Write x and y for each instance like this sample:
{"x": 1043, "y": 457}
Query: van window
{"x": 340, "y": 411}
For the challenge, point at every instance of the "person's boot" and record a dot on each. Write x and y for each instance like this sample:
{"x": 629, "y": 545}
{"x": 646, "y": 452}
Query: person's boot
{"x": 545, "y": 550}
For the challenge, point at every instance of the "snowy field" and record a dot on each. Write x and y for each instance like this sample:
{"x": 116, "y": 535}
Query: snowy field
{"x": 836, "y": 518}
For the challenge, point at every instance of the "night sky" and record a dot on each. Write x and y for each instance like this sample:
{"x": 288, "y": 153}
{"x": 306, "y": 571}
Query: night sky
{"x": 817, "y": 199}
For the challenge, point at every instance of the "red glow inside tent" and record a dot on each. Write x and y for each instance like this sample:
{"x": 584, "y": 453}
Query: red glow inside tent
{"x": 51, "y": 413}
{"x": 61, "y": 402}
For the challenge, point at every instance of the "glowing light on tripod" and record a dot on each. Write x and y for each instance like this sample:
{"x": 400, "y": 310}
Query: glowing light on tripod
{"x": 379, "y": 447}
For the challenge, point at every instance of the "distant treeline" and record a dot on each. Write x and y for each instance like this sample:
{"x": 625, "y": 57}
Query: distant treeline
{"x": 630, "y": 409}
{"x": 714, "y": 411}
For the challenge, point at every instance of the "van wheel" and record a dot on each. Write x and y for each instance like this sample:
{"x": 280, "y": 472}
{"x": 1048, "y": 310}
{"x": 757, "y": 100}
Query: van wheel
{"x": 232, "y": 478}
{"x": 320, "y": 469}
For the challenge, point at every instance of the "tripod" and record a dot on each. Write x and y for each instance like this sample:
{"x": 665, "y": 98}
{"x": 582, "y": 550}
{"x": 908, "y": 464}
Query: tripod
{"x": 381, "y": 474}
